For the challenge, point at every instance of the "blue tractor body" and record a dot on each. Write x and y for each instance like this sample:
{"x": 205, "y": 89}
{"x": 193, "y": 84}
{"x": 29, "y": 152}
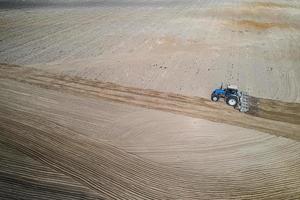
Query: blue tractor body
{"x": 230, "y": 94}
{"x": 219, "y": 92}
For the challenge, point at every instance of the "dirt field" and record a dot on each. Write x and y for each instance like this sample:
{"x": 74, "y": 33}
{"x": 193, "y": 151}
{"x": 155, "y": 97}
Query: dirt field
{"x": 99, "y": 149}
{"x": 109, "y": 99}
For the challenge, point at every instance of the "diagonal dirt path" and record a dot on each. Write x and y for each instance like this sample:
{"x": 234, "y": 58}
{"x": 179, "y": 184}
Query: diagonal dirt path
{"x": 279, "y": 118}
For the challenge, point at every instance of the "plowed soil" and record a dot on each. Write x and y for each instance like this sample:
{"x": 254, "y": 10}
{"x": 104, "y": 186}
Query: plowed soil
{"x": 108, "y": 99}
{"x": 70, "y": 138}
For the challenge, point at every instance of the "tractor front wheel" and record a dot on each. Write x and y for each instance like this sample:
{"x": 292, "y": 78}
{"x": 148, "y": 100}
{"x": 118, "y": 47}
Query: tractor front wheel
{"x": 215, "y": 97}
{"x": 232, "y": 101}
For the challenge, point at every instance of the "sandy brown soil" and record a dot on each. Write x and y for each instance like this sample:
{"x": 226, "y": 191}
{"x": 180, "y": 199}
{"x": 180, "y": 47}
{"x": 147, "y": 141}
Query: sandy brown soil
{"x": 275, "y": 117}
{"x": 107, "y": 99}
{"x": 23, "y": 178}
{"x": 117, "y": 151}
{"x": 186, "y": 47}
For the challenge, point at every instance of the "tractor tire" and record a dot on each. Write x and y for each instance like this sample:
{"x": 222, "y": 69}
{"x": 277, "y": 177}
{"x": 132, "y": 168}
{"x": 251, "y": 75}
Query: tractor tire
{"x": 215, "y": 98}
{"x": 232, "y": 101}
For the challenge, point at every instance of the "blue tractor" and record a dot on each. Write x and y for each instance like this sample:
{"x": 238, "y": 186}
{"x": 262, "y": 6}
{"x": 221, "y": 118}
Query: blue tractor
{"x": 230, "y": 94}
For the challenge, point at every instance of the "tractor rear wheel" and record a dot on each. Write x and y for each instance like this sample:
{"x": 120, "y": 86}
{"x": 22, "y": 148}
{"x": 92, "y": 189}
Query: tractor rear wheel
{"x": 232, "y": 101}
{"x": 215, "y": 97}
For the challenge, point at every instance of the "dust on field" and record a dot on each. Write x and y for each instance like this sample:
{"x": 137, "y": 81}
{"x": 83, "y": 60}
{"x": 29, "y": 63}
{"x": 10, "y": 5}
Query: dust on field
{"x": 251, "y": 24}
{"x": 272, "y": 5}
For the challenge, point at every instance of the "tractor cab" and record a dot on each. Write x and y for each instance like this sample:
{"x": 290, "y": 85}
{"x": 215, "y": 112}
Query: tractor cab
{"x": 231, "y": 90}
